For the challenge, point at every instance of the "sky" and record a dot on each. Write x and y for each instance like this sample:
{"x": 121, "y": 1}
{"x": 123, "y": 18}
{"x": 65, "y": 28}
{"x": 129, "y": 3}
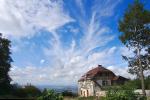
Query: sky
{"x": 54, "y": 42}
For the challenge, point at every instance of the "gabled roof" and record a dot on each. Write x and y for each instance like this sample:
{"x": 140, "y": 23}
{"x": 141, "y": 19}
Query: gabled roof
{"x": 119, "y": 78}
{"x": 94, "y": 72}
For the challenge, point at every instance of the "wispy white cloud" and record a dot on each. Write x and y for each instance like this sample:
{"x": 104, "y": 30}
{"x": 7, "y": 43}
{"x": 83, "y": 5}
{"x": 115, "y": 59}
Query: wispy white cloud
{"x": 107, "y": 7}
{"x": 24, "y": 18}
{"x": 81, "y": 7}
{"x": 68, "y": 64}
{"x": 126, "y": 51}
{"x": 123, "y": 71}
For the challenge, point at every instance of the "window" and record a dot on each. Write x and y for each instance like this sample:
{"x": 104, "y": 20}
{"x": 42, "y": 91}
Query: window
{"x": 104, "y": 82}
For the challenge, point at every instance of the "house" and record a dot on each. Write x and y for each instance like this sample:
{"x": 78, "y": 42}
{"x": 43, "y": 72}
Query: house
{"x": 93, "y": 82}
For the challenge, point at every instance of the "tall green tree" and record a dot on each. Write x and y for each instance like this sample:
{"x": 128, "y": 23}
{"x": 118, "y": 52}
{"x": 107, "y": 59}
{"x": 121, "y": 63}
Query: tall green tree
{"x": 5, "y": 65}
{"x": 135, "y": 28}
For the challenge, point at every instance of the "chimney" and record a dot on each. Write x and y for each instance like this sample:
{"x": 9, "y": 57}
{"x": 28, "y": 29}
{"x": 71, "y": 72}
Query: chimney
{"x": 99, "y": 65}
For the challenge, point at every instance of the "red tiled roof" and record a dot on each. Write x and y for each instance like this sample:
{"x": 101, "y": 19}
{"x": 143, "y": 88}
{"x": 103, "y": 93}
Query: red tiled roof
{"x": 92, "y": 73}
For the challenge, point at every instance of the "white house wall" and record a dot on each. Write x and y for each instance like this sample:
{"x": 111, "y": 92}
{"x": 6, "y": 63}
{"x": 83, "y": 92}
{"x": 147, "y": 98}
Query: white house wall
{"x": 85, "y": 86}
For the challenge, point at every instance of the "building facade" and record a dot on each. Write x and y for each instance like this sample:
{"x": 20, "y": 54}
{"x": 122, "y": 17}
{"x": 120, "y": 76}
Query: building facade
{"x": 93, "y": 82}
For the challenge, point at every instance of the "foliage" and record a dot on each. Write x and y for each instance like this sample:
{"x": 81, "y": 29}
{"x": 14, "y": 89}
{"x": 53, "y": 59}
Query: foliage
{"x": 123, "y": 95}
{"x": 5, "y": 64}
{"x": 136, "y": 84}
{"x": 28, "y": 91}
{"x": 134, "y": 25}
{"x": 50, "y": 95}
{"x": 31, "y": 91}
{"x": 126, "y": 91}
{"x": 136, "y": 35}
{"x": 147, "y": 82}
{"x": 132, "y": 84}
{"x": 68, "y": 93}
{"x": 133, "y": 63}
{"x": 19, "y": 92}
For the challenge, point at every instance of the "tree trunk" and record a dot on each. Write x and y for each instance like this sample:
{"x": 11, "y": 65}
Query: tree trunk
{"x": 141, "y": 73}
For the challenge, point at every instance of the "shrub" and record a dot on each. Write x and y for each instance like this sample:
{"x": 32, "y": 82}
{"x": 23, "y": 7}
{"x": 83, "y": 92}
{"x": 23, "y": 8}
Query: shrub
{"x": 31, "y": 91}
{"x": 136, "y": 84}
{"x": 123, "y": 95}
{"x": 147, "y": 81}
{"x": 68, "y": 93}
{"x": 50, "y": 95}
{"x": 18, "y": 91}
{"x": 28, "y": 91}
{"x": 132, "y": 84}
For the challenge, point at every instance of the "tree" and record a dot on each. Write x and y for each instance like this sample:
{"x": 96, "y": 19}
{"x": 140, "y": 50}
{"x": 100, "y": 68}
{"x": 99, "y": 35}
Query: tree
{"x": 136, "y": 35}
{"x": 50, "y": 95}
{"x": 32, "y": 91}
{"x": 5, "y": 65}
{"x": 133, "y": 64}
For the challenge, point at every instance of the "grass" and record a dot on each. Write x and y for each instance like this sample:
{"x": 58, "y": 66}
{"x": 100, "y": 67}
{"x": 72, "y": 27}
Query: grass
{"x": 81, "y": 98}
{"x": 70, "y": 98}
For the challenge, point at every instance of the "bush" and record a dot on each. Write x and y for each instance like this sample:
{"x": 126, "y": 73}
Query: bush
{"x": 68, "y": 93}
{"x": 136, "y": 84}
{"x": 132, "y": 84}
{"x": 147, "y": 81}
{"x": 18, "y": 91}
{"x": 123, "y": 95}
{"x": 50, "y": 95}
{"x": 29, "y": 91}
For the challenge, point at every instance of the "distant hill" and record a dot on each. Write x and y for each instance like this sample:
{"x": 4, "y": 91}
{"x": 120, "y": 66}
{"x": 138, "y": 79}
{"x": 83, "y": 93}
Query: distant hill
{"x": 59, "y": 89}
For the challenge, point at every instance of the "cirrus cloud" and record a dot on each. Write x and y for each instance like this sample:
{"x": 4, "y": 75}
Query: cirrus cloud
{"x": 68, "y": 63}
{"x": 24, "y": 18}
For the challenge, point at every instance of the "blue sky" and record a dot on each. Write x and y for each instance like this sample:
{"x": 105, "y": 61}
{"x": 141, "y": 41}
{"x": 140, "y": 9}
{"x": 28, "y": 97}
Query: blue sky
{"x": 57, "y": 41}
